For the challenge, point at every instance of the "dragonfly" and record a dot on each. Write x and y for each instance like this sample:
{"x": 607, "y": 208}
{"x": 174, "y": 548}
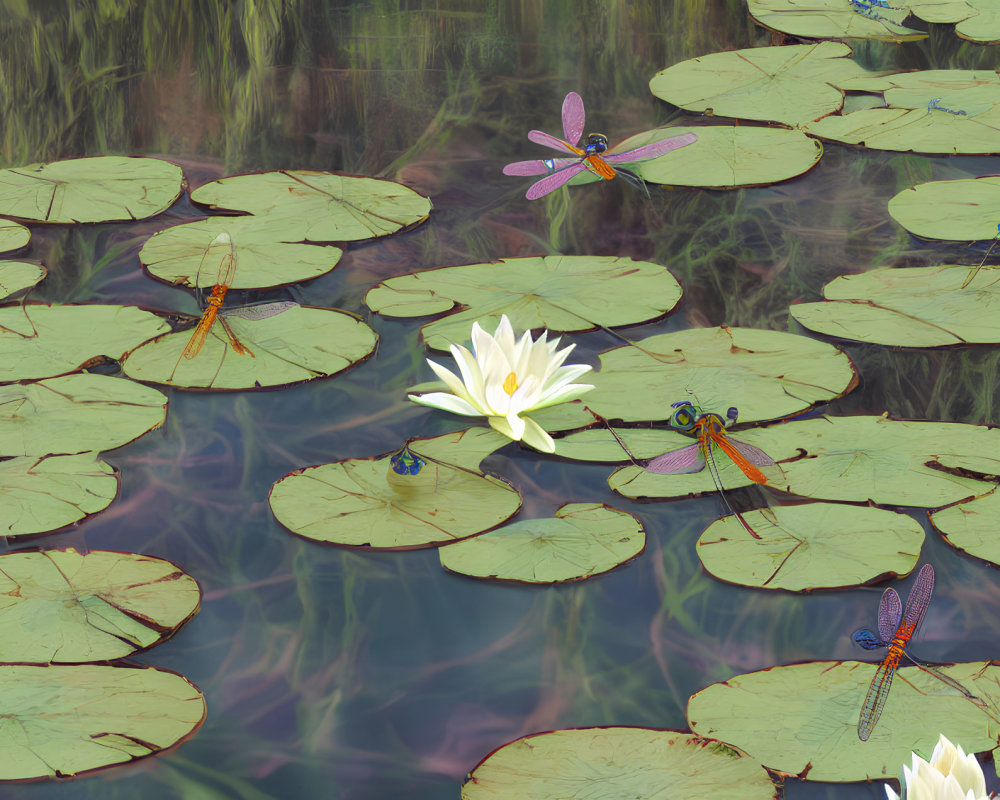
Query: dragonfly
{"x": 406, "y": 462}
{"x": 975, "y": 270}
{"x": 896, "y": 627}
{"x": 213, "y": 305}
{"x": 588, "y": 157}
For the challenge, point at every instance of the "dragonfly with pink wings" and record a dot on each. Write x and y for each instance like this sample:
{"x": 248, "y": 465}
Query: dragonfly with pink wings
{"x": 590, "y": 157}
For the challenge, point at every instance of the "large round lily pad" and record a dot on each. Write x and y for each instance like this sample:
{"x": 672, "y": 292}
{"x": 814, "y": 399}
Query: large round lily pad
{"x": 59, "y": 606}
{"x": 363, "y": 503}
{"x": 582, "y": 540}
{"x": 49, "y": 493}
{"x": 976, "y": 20}
{"x": 834, "y": 19}
{"x": 616, "y": 763}
{"x": 802, "y": 719}
{"x": 100, "y": 189}
{"x": 64, "y": 720}
{"x": 40, "y": 341}
{"x": 962, "y": 210}
{"x": 853, "y": 459}
{"x": 264, "y": 255}
{"x": 909, "y": 307}
{"x": 929, "y": 111}
{"x": 727, "y": 157}
{"x": 811, "y": 546}
{"x": 13, "y": 236}
{"x": 297, "y": 344}
{"x": 791, "y": 84}
{"x": 767, "y": 374}
{"x": 16, "y": 276}
{"x": 559, "y": 293}
{"x": 972, "y": 527}
{"x": 75, "y": 414}
{"x": 320, "y": 206}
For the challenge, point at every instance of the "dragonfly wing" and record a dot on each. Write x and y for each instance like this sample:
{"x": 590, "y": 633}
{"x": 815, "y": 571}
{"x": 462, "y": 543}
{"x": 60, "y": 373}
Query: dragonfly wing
{"x": 890, "y": 609}
{"x": 747, "y": 460}
{"x": 574, "y": 119}
{"x": 552, "y": 182}
{"x": 918, "y": 600}
{"x": 537, "y": 167}
{"x": 548, "y": 140}
{"x": 878, "y": 693}
{"x": 261, "y": 311}
{"x": 652, "y": 150}
{"x": 678, "y": 462}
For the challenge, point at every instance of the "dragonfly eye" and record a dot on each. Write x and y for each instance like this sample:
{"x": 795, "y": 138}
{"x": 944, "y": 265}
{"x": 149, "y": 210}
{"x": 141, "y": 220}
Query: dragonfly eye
{"x": 732, "y": 414}
{"x": 683, "y": 418}
{"x": 406, "y": 463}
{"x": 866, "y": 640}
{"x": 596, "y": 143}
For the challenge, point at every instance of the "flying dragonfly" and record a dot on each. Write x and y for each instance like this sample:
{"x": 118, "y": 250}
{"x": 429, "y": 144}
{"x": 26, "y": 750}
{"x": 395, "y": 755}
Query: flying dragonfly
{"x": 213, "y": 305}
{"x": 896, "y": 629}
{"x": 590, "y": 157}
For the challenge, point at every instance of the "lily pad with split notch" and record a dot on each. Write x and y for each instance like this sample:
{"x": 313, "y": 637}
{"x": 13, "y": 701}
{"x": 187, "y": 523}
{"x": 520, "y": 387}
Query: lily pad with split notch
{"x": 41, "y": 341}
{"x": 834, "y": 19}
{"x": 960, "y": 210}
{"x": 13, "y": 236}
{"x": 264, "y": 255}
{"x": 65, "y": 720}
{"x": 61, "y": 606}
{"x": 851, "y": 459}
{"x": 363, "y": 503}
{"x": 320, "y": 206}
{"x": 616, "y": 762}
{"x": 559, "y": 293}
{"x": 580, "y": 541}
{"x": 814, "y": 735}
{"x": 16, "y": 276}
{"x": 975, "y": 20}
{"x": 97, "y": 189}
{"x": 300, "y": 343}
{"x": 972, "y": 526}
{"x": 48, "y": 493}
{"x": 791, "y": 84}
{"x": 909, "y": 307}
{"x": 75, "y": 414}
{"x": 811, "y": 546}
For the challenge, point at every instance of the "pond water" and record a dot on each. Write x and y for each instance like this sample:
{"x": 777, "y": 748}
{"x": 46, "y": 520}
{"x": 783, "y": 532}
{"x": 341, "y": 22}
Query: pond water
{"x": 336, "y": 673}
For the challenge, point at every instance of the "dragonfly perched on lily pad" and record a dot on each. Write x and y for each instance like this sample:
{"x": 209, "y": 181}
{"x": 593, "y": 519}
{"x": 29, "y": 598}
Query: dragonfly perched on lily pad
{"x": 592, "y": 156}
{"x": 223, "y": 248}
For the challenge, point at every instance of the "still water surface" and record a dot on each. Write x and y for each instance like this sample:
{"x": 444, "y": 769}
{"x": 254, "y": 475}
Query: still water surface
{"x": 332, "y": 673}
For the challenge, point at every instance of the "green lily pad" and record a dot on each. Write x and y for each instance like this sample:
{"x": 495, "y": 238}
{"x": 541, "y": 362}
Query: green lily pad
{"x": 13, "y": 236}
{"x": 850, "y": 459}
{"x": 963, "y": 210}
{"x": 41, "y": 341}
{"x": 363, "y": 503}
{"x": 582, "y": 540}
{"x": 300, "y": 343}
{"x": 101, "y": 189}
{"x": 616, "y": 763}
{"x": 75, "y": 414}
{"x": 834, "y": 19}
{"x": 59, "y": 606}
{"x": 972, "y": 527}
{"x": 560, "y": 293}
{"x": 16, "y": 276}
{"x": 811, "y": 546}
{"x": 929, "y": 111}
{"x": 64, "y": 720}
{"x": 46, "y": 494}
{"x": 791, "y": 84}
{"x": 320, "y": 206}
{"x": 976, "y": 20}
{"x": 814, "y": 733}
{"x": 767, "y": 374}
{"x": 264, "y": 257}
{"x": 727, "y": 157}
{"x": 908, "y": 307}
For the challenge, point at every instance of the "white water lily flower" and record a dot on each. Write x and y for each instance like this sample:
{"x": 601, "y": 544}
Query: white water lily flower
{"x": 506, "y": 379}
{"x": 950, "y": 775}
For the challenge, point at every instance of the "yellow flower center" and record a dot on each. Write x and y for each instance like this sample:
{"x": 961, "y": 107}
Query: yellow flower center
{"x": 510, "y": 383}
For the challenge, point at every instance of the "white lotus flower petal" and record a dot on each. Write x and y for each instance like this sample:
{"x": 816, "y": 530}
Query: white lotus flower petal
{"x": 951, "y": 774}
{"x": 447, "y": 402}
{"x": 504, "y": 378}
